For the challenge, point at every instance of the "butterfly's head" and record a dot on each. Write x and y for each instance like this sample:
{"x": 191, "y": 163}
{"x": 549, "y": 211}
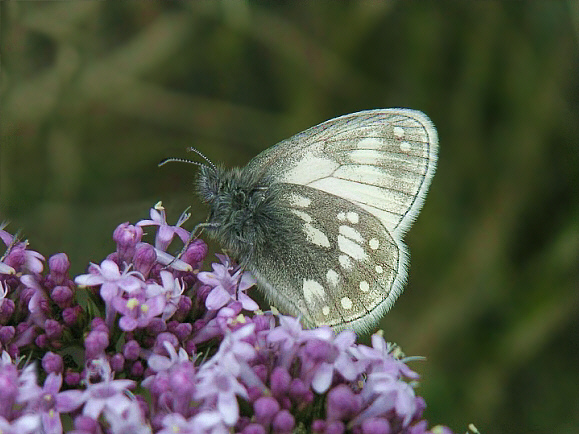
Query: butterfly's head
{"x": 229, "y": 191}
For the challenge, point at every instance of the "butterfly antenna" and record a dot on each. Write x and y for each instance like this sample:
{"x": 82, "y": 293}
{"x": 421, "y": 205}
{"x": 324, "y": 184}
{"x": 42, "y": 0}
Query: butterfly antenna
{"x": 192, "y": 149}
{"x": 179, "y": 160}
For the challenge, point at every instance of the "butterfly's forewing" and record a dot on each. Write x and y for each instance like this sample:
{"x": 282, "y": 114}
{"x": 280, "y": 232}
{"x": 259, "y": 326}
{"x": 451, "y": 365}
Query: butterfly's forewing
{"x": 384, "y": 159}
{"x": 375, "y": 164}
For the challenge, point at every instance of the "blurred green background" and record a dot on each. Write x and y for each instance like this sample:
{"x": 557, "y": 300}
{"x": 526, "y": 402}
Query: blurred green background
{"x": 95, "y": 94}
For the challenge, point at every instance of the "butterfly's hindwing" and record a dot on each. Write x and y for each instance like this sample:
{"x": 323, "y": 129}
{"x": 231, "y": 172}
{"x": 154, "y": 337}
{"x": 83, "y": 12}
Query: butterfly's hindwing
{"x": 335, "y": 263}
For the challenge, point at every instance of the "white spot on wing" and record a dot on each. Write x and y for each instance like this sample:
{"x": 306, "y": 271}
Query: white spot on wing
{"x": 398, "y": 132}
{"x": 346, "y": 303}
{"x": 341, "y": 216}
{"x": 299, "y": 200}
{"x": 379, "y": 269}
{"x": 326, "y": 310}
{"x": 405, "y": 146}
{"x": 345, "y": 261}
{"x": 370, "y": 143}
{"x": 351, "y": 248}
{"x": 316, "y": 236}
{"x": 352, "y": 217}
{"x": 374, "y": 243}
{"x": 303, "y": 215}
{"x": 364, "y": 286}
{"x": 308, "y": 169}
{"x": 332, "y": 277}
{"x": 352, "y": 233}
{"x": 313, "y": 291}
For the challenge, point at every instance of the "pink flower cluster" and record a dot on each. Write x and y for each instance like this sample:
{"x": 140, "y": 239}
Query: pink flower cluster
{"x": 146, "y": 343}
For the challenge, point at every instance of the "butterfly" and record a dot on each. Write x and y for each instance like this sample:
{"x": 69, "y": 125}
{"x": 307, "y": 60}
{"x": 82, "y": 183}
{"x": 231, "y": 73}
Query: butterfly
{"x": 319, "y": 218}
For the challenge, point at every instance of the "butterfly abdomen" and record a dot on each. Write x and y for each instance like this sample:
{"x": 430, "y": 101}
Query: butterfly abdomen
{"x": 242, "y": 213}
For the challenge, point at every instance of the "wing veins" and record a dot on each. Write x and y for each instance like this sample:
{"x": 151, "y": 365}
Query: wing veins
{"x": 380, "y": 167}
{"x": 344, "y": 151}
{"x": 373, "y": 185}
{"x": 349, "y": 139}
{"x": 422, "y": 176}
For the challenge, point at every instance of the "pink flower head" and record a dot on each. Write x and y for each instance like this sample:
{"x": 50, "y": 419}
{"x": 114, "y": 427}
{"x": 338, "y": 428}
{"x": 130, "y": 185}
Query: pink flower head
{"x": 166, "y": 232}
{"x": 137, "y": 311}
{"x": 108, "y": 393}
{"x": 228, "y": 285}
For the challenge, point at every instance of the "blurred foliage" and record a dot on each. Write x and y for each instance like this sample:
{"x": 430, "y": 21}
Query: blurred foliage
{"x": 95, "y": 94}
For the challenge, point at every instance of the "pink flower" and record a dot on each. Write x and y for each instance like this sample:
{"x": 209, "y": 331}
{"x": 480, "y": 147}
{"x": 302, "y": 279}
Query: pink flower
{"x": 166, "y": 232}
{"x": 219, "y": 385}
{"x": 112, "y": 282}
{"x": 137, "y": 311}
{"x": 228, "y": 285}
{"x": 108, "y": 393}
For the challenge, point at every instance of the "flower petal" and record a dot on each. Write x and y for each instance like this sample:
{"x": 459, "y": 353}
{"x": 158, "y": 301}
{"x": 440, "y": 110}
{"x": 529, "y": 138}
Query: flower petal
{"x": 247, "y": 302}
{"x": 69, "y": 400}
{"x": 127, "y": 323}
{"x": 51, "y": 422}
{"x": 218, "y": 297}
{"x": 52, "y": 383}
{"x": 323, "y": 378}
{"x": 228, "y": 407}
